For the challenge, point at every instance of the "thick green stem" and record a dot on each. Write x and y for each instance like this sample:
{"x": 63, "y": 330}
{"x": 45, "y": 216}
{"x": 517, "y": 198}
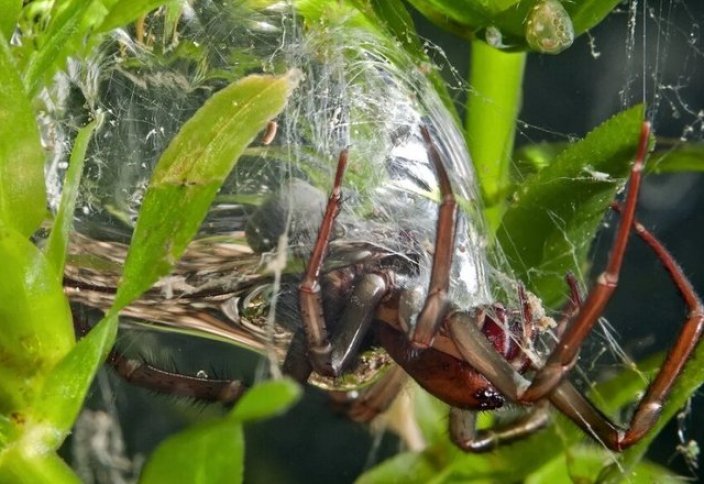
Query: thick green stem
{"x": 492, "y": 110}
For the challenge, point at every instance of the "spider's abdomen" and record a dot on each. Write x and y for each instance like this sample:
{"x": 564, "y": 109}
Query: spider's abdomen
{"x": 451, "y": 380}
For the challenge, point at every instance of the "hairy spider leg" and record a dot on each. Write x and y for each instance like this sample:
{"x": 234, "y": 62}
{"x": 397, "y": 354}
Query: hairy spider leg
{"x": 156, "y": 379}
{"x": 435, "y": 307}
{"x": 148, "y": 376}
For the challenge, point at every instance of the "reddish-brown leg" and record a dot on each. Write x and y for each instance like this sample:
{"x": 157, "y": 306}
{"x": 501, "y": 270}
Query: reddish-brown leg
{"x": 374, "y": 399}
{"x": 329, "y": 356}
{"x": 574, "y": 302}
{"x": 476, "y": 351}
{"x": 201, "y": 388}
{"x": 152, "y": 378}
{"x": 435, "y": 306}
{"x": 309, "y": 297}
{"x": 650, "y": 405}
{"x": 564, "y": 354}
{"x": 464, "y": 434}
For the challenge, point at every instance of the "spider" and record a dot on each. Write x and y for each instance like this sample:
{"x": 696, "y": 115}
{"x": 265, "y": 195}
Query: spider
{"x": 471, "y": 358}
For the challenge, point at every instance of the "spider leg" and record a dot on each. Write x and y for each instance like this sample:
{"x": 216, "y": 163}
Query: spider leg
{"x": 582, "y": 412}
{"x": 328, "y": 356}
{"x": 564, "y": 355}
{"x": 309, "y": 297}
{"x": 374, "y": 399}
{"x": 356, "y": 319}
{"x": 150, "y": 377}
{"x": 478, "y": 352}
{"x": 464, "y": 434}
{"x": 650, "y": 405}
{"x": 431, "y": 316}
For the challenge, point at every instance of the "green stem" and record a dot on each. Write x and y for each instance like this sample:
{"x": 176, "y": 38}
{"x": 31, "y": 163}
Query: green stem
{"x": 493, "y": 104}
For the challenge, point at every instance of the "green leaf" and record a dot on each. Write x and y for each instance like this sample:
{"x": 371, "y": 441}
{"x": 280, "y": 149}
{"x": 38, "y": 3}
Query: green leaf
{"x": 126, "y": 11}
{"x": 469, "y": 14}
{"x": 55, "y": 249}
{"x": 582, "y": 463}
{"x": 10, "y": 12}
{"x": 266, "y": 400}
{"x": 668, "y": 157}
{"x": 65, "y": 388}
{"x": 210, "y": 453}
{"x": 406, "y": 467}
{"x": 547, "y": 230}
{"x": 530, "y": 159}
{"x": 37, "y": 328}
{"x": 586, "y": 14}
{"x": 680, "y": 158}
{"x": 66, "y": 34}
{"x": 22, "y": 192}
{"x": 511, "y": 463}
{"x": 509, "y": 24}
{"x": 214, "y": 452}
{"x": 191, "y": 171}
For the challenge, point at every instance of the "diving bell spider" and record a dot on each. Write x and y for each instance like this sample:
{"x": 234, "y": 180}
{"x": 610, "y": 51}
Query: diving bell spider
{"x": 472, "y": 359}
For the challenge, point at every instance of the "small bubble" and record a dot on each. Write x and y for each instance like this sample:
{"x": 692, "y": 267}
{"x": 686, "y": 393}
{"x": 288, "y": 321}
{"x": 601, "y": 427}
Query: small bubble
{"x": 202, "y": 374}
{"x": 493, "y": 37}
{"x": 549, "y": 28}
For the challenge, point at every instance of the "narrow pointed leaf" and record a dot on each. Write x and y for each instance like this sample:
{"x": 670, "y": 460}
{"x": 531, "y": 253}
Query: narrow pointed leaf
{"x": 66, "y": 33}
{"x": 58, "y": 239}
{"x": 66, "y": 386}
{"x": 22, "y": 193}
{"x": 191, "y": 171}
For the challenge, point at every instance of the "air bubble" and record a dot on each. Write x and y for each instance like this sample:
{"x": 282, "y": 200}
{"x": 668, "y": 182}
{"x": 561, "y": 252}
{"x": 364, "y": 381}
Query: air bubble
{"x": 493, "y": 37}
{"x": 549, "y": 27}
